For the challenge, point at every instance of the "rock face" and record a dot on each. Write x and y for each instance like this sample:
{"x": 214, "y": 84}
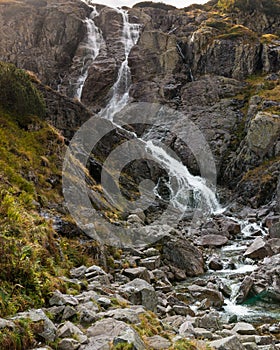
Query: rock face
{"x": 42, "y": 36}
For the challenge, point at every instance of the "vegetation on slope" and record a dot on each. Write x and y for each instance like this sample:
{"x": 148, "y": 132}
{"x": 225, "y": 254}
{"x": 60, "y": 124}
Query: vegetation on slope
{"x": 269, "y": 7}
{"x": 31, "y": 256}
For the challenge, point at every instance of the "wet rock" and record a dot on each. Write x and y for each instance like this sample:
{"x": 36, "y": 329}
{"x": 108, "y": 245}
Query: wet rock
{"x": 183, "y": 310}
{"x": 158, "y": 343}
{"x": 244, "y": 328}
{"x": 140, "y": 292}
{"x": 215, "y": 264}
{"x": 138, "y": 272}
{"x": 229, "y": 343}
{"x": 259, "y": 249}
{"x": 244, "y": 289}
{"x": 201, "y": 293}
{"x": 212, "y": 241}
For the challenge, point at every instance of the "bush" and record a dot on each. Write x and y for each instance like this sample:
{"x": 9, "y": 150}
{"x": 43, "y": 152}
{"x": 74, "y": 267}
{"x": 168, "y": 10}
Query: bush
{"x": 158, "y": 5}
{"x": 269, "y": 7}
{"x": 18, "y": 95}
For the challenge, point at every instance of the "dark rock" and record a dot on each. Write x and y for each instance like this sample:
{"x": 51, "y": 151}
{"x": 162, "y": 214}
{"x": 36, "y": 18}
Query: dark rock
{"x": 215, "y": 264}
{"x": 244, "y": 290}
{"x": 185, "y": 256}
{"x": 259, "y": 249}
{"x": 212, "y": 241}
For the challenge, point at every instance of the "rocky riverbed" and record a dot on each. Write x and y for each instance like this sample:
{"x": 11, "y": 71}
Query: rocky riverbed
{"x": 213, "y": 283}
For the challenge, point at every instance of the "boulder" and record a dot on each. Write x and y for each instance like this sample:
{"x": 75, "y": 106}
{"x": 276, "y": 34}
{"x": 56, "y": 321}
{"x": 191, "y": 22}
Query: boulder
{"x": 215, "y": 264}
{"x": 228, "y": 343}
{"x": 137, "y": 272}
{"x": 259, "y": 249}
{"x": 214, "y": 296}
{"x": 62, "y": 299}
{"x": 103, "y": 332}
{"x": 244, "y": 328}
{"x": 212, "y": 241}
{"x": 184, "y": 255}
{"x": 158, "y": 343}
{"x": 244, "y": 290}
{"x": 49, "y": 330}
{"x": 140, "y": 292}
{"x": 69, "y": 330}
{"x": 130, "y": 336}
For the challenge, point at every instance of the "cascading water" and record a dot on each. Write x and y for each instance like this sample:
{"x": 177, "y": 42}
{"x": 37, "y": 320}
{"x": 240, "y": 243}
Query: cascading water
{"x": 120, "y": 90}
{"x": 187, "y": 184}
{"x": 191, "y": 191}
{"x": 91, "y": 50}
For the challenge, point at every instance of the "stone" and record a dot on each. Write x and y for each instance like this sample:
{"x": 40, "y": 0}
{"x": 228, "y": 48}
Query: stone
{"x": 69, "y": 330}
{"x": 210, "y": 321}
{"x": 104, "y": 302}
{"x": 158, "y": 343}
{"x": 103, "y": 332}
{"x": 183, "y": 310}
{"x": 49, "y": 331}
{"x": 274, "y": 229}
{"x": 215, "y": 264}
{"x": 125, "y": 315}
{"x": 184, "y": 255}
{"x": 250, "y": 346}
{"x": 212, "y": 241}
{"x": 130, "y": 336}
{"x": 137, "y": 272}
{"x": 186, "y": 329}
{"x": 62, "y": 299}
{"x": 244, "y": 289}
{"x": 214, "y": 296}
{"x": 244, "y": 328}
{"x": 6, "y": 324}
{"x": 228, "y": 343}
{"x": 68, "y": 312}
{"x": 78, "y": 272}
{"x": 202, "y": 333}
{"x": 68, "y": 344}
{"x": 151, "y": 252}
{"x": 151, "y": 263}
{"x": 141, "y": 292}
{"x": 258, "y": 249}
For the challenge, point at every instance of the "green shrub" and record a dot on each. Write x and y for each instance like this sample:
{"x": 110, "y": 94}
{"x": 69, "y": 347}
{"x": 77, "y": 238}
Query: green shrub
{"x": 18, "y": 95}
{"x": 158, "y": 5}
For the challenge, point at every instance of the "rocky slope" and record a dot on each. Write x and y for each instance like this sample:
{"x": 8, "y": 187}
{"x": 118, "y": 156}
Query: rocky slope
{"x": 219, "y": 67}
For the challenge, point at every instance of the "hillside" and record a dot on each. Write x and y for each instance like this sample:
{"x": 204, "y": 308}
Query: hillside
{"x": 139, "y": 166}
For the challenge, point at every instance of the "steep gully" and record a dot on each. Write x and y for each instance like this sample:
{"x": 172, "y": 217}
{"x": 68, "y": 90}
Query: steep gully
{"x": 202, "y": 195}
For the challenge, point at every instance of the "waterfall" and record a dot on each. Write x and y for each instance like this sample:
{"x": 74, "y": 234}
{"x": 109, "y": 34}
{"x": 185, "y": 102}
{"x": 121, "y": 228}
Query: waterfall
{"x": 120, "y": 90}
{"x": 91, "y": 50}
{"x": 191, "y": 191}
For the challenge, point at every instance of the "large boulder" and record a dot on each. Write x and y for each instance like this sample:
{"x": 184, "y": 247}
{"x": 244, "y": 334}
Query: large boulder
{"x": 184, "y": 255}
{"x": 140, "y": 292}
